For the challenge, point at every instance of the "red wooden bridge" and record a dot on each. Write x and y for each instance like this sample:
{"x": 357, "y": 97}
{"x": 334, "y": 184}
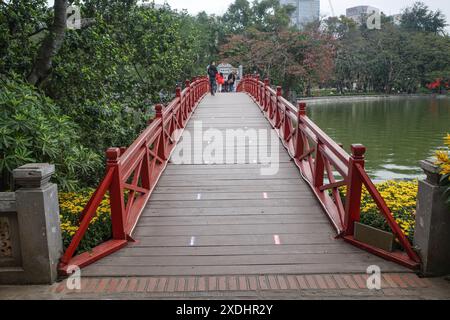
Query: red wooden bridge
{"x": 211, "y": 219}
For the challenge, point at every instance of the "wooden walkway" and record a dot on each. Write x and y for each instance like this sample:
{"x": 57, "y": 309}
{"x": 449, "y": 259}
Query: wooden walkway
{"x": 228, "y": 219}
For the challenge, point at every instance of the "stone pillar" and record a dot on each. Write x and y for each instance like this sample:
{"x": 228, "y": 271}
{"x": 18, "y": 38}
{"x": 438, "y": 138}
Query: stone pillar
{"x": 39, "y": 223}
{"x": 432, "y": 235}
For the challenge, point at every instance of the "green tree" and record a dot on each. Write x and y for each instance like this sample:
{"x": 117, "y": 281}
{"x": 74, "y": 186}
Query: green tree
{"x": 420, "y": 18}
{"x": 103, "y": 78}
{"x": 238, "y": 17}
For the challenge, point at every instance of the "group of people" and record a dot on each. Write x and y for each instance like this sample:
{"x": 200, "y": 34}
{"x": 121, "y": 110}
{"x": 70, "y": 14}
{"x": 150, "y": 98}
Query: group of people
{"x": 220, "y": 83}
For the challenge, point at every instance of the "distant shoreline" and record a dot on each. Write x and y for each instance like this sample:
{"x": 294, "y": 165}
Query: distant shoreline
{"x": 330, "y": 99}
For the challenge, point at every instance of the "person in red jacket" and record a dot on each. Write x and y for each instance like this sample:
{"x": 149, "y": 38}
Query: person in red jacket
{"x": 220, "y": 81}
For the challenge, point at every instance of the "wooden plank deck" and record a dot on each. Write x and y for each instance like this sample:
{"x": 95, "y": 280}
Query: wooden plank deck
{"x": 228, "y": 219}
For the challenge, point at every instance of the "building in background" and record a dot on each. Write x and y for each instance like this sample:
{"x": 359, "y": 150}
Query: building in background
{"x": 359, "y": 14}
{"x": 227, "y": 68}
{"x": 151, "y": 4}
{"x": 397, "y": 19}
{"x": 307, "y": 11}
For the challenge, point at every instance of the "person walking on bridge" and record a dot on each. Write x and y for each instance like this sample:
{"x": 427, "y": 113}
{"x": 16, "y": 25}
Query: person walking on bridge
{"x": 212, "y": 73}
{"x": 220, "y": 81}
{"x": 231, "y": 81}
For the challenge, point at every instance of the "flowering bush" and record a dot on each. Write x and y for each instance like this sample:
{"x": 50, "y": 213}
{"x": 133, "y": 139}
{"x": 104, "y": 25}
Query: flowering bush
{"x": 400, "y": 197}
{"x": 71, "y": 205}
{"x": 443, "y": 160}
{"x": 438, "y": 85}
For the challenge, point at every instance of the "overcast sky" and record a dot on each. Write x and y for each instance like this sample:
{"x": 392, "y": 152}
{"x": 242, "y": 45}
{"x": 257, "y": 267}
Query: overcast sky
{"x": 339, "y": 6}
{"x": 387, "y": 6}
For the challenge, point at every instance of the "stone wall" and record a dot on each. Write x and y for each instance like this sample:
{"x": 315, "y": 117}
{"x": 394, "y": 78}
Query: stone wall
{"x": 30, "y": 233}
{"x": 432, "y": 235}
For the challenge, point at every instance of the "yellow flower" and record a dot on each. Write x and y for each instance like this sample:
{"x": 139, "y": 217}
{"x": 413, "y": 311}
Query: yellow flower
{"x": 442, "y": 157}
{"x": 445, "y": 169}
{"x": 447, "y": 140}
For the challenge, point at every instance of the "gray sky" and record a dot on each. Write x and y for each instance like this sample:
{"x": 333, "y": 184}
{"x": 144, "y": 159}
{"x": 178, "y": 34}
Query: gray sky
{"x": 339, "y": 6}
{"x": 387, "y": 6}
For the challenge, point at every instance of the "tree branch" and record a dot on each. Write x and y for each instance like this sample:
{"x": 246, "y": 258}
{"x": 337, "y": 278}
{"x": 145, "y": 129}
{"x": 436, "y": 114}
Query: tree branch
{"x": 51, "y": 45}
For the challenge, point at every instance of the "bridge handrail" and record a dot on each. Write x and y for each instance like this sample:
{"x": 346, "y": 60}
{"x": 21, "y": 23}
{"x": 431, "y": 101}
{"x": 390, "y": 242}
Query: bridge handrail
{"x": 132, "y": 173}
{"x": 318, "y": 157}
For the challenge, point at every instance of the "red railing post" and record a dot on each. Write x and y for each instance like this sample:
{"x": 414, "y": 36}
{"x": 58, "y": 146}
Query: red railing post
{"x": 146, "y": 179}
{"x": 277, "y": 108}
{"x": 319, "y": 165}
{"x": 266, "y": 99}
{"x": 258, "y": 96}
{"x": 261, "y": 92}
{"x": 299, "y": 142}
{"x": 354, "y": 189}
{"x": 162, "y": 139}
{"x": 118, "y": 218}
{"x": 181, "y": 111}
{"x": 287, "y": 125}
{"x": 198, "y": 89}
{"x": 248, "y": 85}
{"x": 195, "y": 89}
{"x": 188, "y": 97}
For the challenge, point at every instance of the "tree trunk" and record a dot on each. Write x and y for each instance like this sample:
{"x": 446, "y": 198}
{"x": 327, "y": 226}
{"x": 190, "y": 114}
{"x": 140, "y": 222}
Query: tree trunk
{"x": 51, "y": 45}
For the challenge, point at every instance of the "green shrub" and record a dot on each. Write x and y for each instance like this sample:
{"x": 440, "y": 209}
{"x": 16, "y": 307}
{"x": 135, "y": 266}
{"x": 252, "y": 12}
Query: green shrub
{"x": 32, "y": 129}
{"x": 71, "y": 205}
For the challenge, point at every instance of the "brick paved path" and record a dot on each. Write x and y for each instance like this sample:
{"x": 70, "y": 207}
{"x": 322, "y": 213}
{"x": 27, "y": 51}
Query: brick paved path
{"x": 318, "y": 286}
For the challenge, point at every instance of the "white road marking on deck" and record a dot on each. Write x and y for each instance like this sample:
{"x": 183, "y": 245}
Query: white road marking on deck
{"x": 276, "y": 239}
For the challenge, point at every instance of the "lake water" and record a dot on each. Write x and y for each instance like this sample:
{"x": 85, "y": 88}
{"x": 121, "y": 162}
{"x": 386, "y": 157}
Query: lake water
{"x": 398, "y": 133}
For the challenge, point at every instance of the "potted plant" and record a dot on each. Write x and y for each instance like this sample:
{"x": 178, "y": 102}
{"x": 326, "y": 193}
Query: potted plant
{"x": 401, "y": 198}
{"x": 372, "y": 230}
{"x": 443, "y": 160}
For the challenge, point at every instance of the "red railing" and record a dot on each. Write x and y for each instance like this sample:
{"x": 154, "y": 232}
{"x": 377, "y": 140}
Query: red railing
{"x": 132, "y": 173}
{"x": 320, "y": 160}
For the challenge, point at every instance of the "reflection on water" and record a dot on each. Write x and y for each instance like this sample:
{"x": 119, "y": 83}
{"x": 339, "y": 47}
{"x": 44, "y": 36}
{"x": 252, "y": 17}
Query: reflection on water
{"x": 397, "y": 132}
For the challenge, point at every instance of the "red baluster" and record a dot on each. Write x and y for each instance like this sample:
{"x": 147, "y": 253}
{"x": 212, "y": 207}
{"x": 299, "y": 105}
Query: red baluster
{"x": 287, "y": 125}
{"x": 161, "y": 152}
{"x": 180, "y": 114}
{"x": 319, "y": 165}
{"x": 118, "y": 214}
{"x": 194, "y": 90}
{"x": 277, "y": 108}
{"x": 354, "y": 189}
{"x": 253, "y": 87}
{"x": 299, "y": 141}
{"x": 266, "y": 97}
{"x": 188, "y": 97}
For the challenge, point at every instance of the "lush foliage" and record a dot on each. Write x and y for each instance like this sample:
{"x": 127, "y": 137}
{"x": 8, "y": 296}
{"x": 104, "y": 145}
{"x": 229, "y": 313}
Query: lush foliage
{"x": 102, "y": 85}
{"x": 420, "y": 18}
{"x": 103, "y": 79}
{"x": 400, "y": 197}
{"x": 259, "y": 37}
{"x": 292, "y": 59}
{"x": 397, "y": 58}
{"x": 71, "y": 206}
{"x": 338, "y": 53}
{"x": 443, "y": 157}
{"x": 33, "y": 129}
